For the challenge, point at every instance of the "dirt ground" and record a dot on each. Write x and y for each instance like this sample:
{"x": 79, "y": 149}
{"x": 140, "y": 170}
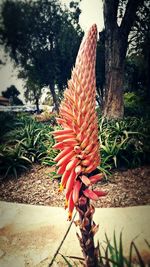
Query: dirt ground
{"x": 125, "y": 188}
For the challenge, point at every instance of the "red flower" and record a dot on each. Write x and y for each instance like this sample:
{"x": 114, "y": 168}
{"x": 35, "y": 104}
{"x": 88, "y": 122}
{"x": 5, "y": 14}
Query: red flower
{"x": 78, "y": 140}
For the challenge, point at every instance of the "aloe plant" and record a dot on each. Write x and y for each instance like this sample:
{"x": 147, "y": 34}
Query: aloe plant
{"x": 79, "y": 145}
{"x": 12, "y": 161}
{"x": 125, "y": 142}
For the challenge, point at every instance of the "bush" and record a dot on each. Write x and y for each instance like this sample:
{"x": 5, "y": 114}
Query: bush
{"x": 131, "y": 100}
{"x": 7, "y": 123}
{"x": 13, "y": 161}
{"x": 29, "y": 142}
{"x": 124, "y": 143}
{"x": 135, "y": 105}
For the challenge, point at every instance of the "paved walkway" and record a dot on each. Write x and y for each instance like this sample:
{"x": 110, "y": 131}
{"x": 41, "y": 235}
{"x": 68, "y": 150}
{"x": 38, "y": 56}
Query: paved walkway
{"x": 30, "y": 235}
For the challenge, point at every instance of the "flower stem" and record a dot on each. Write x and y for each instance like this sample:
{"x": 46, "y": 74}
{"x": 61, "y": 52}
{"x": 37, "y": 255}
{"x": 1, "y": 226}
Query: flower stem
{"x": 87, "y": 234}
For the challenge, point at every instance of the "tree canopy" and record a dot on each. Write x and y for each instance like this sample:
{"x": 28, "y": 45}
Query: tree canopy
{"x": 12, "y": 94}
{"x": 43, "y": 39}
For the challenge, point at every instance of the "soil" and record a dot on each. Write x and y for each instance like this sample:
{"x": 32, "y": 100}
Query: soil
{"x": 37, "y": 186}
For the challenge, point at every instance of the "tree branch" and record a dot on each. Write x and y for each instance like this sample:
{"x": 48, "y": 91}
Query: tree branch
{"x": 129, "y": 16}
{"x": 110, "y": 12}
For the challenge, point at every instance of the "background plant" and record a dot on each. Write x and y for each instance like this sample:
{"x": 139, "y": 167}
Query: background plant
{"x": 13, "y": 161}
{"x": 124, "y": 143}
{"x": 7, "y": 123}
{"x": 27, "y": 142}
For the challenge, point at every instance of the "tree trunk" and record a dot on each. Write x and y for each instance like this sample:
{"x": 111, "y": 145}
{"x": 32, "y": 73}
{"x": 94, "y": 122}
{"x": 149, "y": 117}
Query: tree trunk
{"x": 114, "y": 107}
{"x": 37, "y": 105}
{"x": 55, "y": 101}
{"x": 114, "y": 64}
{"x": 116, "y": 43}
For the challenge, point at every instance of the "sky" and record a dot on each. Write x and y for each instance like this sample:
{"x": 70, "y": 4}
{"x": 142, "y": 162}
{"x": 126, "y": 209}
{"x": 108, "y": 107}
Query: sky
{"x": 92, "y": 12}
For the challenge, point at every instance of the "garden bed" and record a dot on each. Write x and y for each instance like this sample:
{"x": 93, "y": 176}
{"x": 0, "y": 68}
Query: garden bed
{"x": 125, "y": 188}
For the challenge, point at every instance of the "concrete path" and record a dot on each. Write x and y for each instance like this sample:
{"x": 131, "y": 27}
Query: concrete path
{"x": 30, "y": 235}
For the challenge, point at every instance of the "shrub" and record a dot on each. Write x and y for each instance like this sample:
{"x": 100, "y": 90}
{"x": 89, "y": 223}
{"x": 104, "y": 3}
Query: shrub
{"x": 124, "y": 143}
{"x": 131, "y": 100}
{"x": 136, "y": 105}
{"x": 7, "y": 123}
{"x": 13, "y": 161}
{"x": 28, "y": 139}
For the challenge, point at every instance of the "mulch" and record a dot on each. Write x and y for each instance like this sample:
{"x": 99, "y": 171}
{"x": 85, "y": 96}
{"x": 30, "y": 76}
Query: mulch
{"x": 37, "y": 186}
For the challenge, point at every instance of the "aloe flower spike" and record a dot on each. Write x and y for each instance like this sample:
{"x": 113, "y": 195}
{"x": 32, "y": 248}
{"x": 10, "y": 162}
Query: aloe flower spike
{"x": 79, "y": 145}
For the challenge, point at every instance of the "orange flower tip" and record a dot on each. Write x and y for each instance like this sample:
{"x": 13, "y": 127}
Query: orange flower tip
{"x": 61, "y": 188}
{"x": 66, "y": 204}
{"x": 69, "y": 216}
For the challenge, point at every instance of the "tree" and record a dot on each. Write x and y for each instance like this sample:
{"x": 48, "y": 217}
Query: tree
{"x": 139, "y": 46}
{"x": 12, "y": 94}
{"x": 132, "y": 79}
{"x": 117, "y": 29}
{"x": 33, "y": 93}
{"x": 33, "y": 34}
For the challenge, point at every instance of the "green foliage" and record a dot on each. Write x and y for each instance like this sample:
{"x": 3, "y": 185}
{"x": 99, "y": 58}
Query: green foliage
{"x": 131, "y": 100}
{"x": 124, "y": 143}
{"x": 28, "y": 142}
{"x": 33, "y": 138}
{"x": 139, "y": 49}
{"x": 13, "y": 160}
{"x": 33, "y": 92}
{"x": 114, "y": 254}
{"x": 42, "y": 38}
{"x": 136, "y": 104}
{"x": 7, "y": 123}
